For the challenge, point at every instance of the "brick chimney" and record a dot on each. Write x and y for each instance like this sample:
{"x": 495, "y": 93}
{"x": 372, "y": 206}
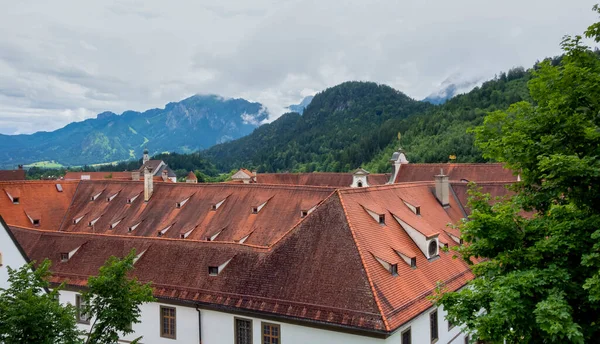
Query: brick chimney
{"x": 148, "y": 184}
{"x": 442, "y": 189}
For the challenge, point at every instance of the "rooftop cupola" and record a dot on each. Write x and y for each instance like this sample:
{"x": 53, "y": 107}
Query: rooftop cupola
{"x": 148, "y": 184}
{"x": 360, "y": 178}
{"x": 442, "y": 189}
{"x": 398, "y": 159}
{"x": 146, "y": 156}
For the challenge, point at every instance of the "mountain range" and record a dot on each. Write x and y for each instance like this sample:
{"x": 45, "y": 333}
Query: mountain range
{"x": 186, "y": 126}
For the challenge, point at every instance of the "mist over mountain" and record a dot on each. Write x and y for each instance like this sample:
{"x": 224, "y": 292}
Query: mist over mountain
{"x": 299, "y": 108}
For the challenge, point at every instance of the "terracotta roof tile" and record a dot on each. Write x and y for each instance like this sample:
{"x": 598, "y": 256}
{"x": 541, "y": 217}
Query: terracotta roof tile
{"x": 317, "y": 179}
{"x": 282, "y": 211}
{"x": 468, "y": 172}
{"x": 12, "y": 175}
{"x": 42, "y": 197}
{"x": 99, "y": 175}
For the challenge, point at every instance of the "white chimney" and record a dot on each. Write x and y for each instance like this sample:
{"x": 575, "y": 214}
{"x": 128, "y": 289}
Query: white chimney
{"x": 398, "y": 159}
{"x": 135, "y": 175}
{"x": 442, "y": 189}
{"x": 148, "y": 184}
{"x": 165, "y": 175}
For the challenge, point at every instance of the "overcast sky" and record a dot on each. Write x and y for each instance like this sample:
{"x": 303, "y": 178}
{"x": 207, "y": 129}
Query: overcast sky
{"x": 64, "y": 61}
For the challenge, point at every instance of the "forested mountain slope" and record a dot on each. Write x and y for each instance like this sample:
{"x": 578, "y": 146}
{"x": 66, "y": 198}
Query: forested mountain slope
{"x": 342, "y": 128}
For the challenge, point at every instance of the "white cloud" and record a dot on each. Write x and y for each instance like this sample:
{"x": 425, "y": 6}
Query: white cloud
{"x": 65, "y": 61}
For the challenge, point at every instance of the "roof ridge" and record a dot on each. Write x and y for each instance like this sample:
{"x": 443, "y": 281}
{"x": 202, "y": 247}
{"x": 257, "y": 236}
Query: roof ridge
{"x": 455, "y": 164}
{"x": 3, "y": 182}
{"x": 362, "y": 260}
{"x": 200, "y": 185}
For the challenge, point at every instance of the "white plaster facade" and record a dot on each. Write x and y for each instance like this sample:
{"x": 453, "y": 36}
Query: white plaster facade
{"x": 10, "y": 254}
{"x": 219, "y": 328}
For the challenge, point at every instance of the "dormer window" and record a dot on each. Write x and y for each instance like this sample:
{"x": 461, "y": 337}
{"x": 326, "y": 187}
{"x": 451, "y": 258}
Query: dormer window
{"x": 95, "y": 197}
{"x": 257, "y": 209}
{"x": 418, "y": 210}
{"x": 243, "y": 240}
{"x": 303, "y": 213}
{"x": 394, "y": 269}
{"x": 216, "y": 270}
{"x": 382, "y": 219}
{"x": 36, "y": 222}
{"x": 216, "y": 206}
{"x": 110, "y": 198}
{"x": 77, "y": 219}
{"x": 413, "y": 262}
{"x": 132, "y": 228}
{"x": 64, "y": 257}
{"x": 93, "y": 222}
{"x": 164, "y": 230}
{"x": 433, "y": 248}
{"x": 131, "y": 199}
{"x": 187, "y": 234}
{"x": 182, "y": 203}
{"x": 15, "y": 200}
{"x": 114, "y": 224}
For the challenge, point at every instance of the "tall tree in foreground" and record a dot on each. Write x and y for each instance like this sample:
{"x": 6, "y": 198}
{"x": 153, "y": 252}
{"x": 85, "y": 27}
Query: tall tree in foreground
{"x": 28, "y": 314}
{"x": 113, "y": 300}
{"x": 538, "y": 280}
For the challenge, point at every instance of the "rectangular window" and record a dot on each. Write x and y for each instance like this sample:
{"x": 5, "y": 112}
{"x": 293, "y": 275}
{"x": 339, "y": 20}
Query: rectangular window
{"x": 80, "y": 305}
{"x": 243, "y": 331}
{"x": 394, "y": 269}
{"x": 64, "y": 257}
{"x": 382, "y": 219}
{"x": 406, "y": 337}
{"x": 270, "y": 334}
{"x": 167, "y": 322}
{"x": 433, "y": 326}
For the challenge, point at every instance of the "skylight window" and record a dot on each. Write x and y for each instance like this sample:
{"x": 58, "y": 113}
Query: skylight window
{"x": 59, "y": 188}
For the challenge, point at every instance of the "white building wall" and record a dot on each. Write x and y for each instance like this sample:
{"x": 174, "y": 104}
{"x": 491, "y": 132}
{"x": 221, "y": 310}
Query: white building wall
{"x": 218, "y": 328}
{"x": 11, "y": 256}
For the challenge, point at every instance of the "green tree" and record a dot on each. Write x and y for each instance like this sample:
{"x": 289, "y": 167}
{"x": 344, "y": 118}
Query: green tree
{"x": 538, "y": 252}
{"x": 29, "y": 313}
{"x": 114, "y": 299}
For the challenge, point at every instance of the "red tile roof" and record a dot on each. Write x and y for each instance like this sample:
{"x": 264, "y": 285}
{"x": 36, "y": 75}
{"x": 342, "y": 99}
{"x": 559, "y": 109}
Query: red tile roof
{"x": 233, "y": 218}
{"x": 282, "y": 280}
{"x": 403, "y": 297}
{"x": 12, "y": 175}
{"x": 317, "y": 179}
{"x": 468, "y": 172}
{"x": 36, "y": 198}
{"x": 348, "y": 286}
{"x": 495, "y": 189}
{"x": 99, "y": 175}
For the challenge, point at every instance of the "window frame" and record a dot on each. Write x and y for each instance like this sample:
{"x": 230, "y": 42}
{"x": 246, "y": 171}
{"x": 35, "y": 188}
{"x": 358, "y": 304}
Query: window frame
{"x": 434, "y": 315}
{"x": 402, "y": 336}
{"x": 235, "y": 329}
{"x": 262, "y": 332}
{"x": 161, "y": 319}
{"x": 79, "y": 304}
